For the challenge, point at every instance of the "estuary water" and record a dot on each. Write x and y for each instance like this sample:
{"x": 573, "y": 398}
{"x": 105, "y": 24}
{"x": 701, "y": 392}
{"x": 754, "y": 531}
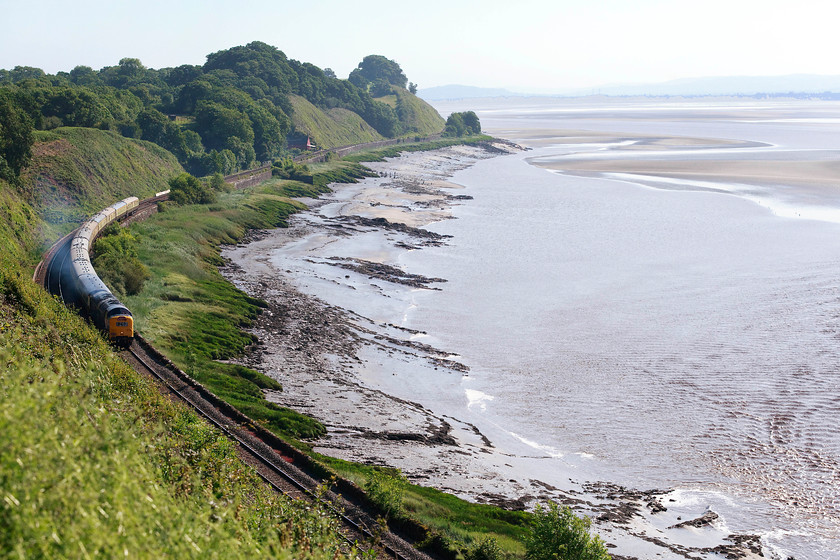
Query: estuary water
{"x": 680, "y": 333}
{"x": 649, "y": 297}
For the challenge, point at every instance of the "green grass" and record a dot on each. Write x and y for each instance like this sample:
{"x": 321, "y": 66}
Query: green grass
{"x": 78, "y": 171}
{"x": 416, "y": 116}
{"x": 194, "y": 316}
{"x": 333, "y": 127}
{"x": 454, "y": 524}
{"x": 95, "y": 462}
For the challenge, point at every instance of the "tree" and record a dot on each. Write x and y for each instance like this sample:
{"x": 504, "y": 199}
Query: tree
{"x": 375, "y": 66}
{"x": 557, "y": 533}
{"x": 412, "y": 88}
{"x": 485, "y": 549}
{"x": 380, "y": 88}
{"x": 462, "y": 124}
{"x": 186, "y": 189}
{"x": 15, "y": 136}
{"x": 216, "y": 123}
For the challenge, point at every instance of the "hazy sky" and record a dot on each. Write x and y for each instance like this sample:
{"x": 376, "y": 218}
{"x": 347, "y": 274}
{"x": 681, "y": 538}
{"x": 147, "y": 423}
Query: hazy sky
{"x": 525, "y": 45}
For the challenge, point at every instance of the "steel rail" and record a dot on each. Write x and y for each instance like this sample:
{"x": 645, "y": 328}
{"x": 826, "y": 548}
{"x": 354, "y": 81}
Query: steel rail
{"x": 268, "y": 463}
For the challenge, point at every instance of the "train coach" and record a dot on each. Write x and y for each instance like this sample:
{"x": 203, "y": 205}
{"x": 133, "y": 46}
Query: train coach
{"x": 87, "y": 291}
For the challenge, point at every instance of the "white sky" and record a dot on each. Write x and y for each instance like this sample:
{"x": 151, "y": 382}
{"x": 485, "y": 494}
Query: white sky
{"x": 525, "y": 45}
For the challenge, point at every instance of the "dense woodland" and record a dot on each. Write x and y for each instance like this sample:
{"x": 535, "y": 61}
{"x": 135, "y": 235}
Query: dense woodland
{"x": 226, "y": 115}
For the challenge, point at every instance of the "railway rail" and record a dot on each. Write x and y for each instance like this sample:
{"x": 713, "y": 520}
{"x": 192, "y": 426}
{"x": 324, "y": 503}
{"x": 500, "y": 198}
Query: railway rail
{"x": 280, "y": 465}
{"x": 276, "y": 467}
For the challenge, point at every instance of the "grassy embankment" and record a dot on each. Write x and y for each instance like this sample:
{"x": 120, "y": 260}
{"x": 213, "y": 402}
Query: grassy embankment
{"x": 76, "y": 172}
{"x": 192, "y": 314}
{"x": 332, "y": 128}
{"x": 94, "y": 461}
{"x": 417, "y": 117}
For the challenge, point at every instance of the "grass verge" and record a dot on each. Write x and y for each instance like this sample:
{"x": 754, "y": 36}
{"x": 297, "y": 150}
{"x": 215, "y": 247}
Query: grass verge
{"x": 95, "y": 462}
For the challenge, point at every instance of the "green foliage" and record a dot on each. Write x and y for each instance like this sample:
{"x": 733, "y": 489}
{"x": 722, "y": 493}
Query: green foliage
{"x": 15, "y": 136}
{"x": 217, "y": 123}
{"x": 462, "y": 124}
{"x": 116, "y": 263}
{"x": 158, "y": 128}
{"x": 95, "y": 462}
{"x": 286, "y": 168}
{"x": 234, "y": 110}
{"x": 376, "y": 67}
{"x": 557, "y": 533}
{"x": 186, "y": 189}
{"x": 386, "y": 490}
{"x": 217, "y": 183}
{"x": 486, "y": 548}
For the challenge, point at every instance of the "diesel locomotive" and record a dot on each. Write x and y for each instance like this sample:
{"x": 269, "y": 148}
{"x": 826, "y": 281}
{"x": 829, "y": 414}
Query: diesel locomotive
{"x": 86, "y": 291}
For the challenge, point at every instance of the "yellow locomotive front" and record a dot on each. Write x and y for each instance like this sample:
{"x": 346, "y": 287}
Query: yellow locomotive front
{"x": 121, "y": 329}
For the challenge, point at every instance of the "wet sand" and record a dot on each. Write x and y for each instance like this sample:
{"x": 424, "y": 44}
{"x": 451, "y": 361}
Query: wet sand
{"x": 367, "y": 380}
{"x": 758, "y": 172}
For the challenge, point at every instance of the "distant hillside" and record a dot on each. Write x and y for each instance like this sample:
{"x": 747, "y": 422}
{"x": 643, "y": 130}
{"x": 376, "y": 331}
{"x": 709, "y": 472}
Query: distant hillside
{"x": 78, "y": 171}
{"x": 454, "y": 91}
{"x": 416, "y": 115}
{"x": 800, "y": 85}
{"x": 331, "y": 128}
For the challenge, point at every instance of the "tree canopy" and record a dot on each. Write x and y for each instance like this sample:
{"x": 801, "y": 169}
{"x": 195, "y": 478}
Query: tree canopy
{"x": 462, "y": 124}
{"x": 15, "y": 136}
{"x": 217, "y": 117}
{"x": 376, "y": 67}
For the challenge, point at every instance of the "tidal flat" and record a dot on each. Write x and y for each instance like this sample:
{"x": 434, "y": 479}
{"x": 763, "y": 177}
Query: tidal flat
{"x": 635, "y": 320}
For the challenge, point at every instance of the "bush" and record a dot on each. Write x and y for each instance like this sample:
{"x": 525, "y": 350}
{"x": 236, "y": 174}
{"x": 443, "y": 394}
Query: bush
{"x": 386, "y": 492}
{"x": 286, "y": 168}
{"x": 462, "y": 124}
{"x": 485, "y": 549}
{"x": 116, "y": 263}
{"x": 186, "y": 189}
{"x": 557, "y": 533}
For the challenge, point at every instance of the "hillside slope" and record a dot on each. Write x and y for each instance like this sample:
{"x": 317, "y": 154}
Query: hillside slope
{"x": 416, "y": 115}
{"x": 331, "y": 128}
{"x": 95, "y": 462}
{"x": 75, "y": 172}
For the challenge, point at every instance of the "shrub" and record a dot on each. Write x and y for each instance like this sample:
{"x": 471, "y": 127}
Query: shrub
{"x": 462, "y": 124}
{"x": 186, "y": 189}
{"x": 386, "y": 492}
{"x": 485, "y": 549}
{"x": 116, "y": 263}
{"x": 557, "y": 533}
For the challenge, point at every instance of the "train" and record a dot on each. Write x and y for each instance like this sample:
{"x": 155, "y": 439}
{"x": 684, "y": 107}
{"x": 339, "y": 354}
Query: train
{"x": 85, "y": 289}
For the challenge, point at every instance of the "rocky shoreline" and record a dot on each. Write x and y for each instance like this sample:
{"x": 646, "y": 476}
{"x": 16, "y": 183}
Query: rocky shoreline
{"x": 319, "y": 351}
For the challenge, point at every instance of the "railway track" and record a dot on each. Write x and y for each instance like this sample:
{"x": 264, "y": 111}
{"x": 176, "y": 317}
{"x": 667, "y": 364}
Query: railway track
{"x": 281, "y": 466}
{"x": 275, "y": 467}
